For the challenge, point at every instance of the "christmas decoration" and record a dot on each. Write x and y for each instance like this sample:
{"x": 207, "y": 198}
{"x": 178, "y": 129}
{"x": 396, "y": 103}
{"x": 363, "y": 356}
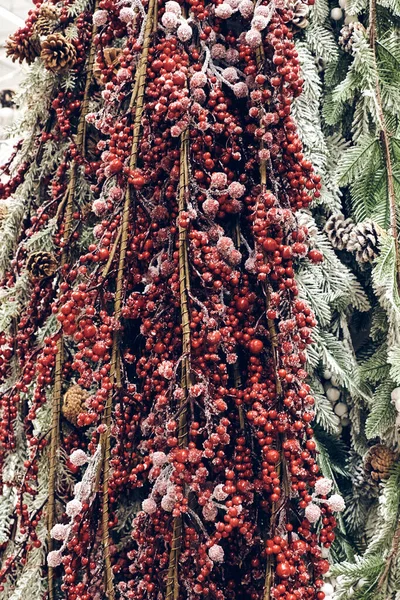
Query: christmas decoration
{"x": 57, "y": 52}
{"x": 173, "y": 313}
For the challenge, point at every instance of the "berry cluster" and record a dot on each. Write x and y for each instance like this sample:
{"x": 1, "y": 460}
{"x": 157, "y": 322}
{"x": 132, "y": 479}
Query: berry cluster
{"x": 179, "y": 326}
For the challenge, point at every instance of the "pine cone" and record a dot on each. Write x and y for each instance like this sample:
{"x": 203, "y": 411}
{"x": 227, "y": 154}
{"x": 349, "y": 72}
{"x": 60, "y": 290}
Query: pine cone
{"x": 47, "y": 19}
{"x": 378, "y": 462}
{"x": 111, "y": 59}
{"x": 41, "y": 264}
{"x": 74, "y": 403}
{"x": 300, "y": 14}
{"x": 338, "y": 229}
{"x": 363, "y": 240}
{"x": 20, "y": 48}
{"x": 348, "y": 33}
{"x": 58, "y": 53}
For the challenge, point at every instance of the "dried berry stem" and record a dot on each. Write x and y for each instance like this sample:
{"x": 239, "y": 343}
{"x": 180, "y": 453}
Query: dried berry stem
{"x": 172, "y": 591}
{"x": 57, "y": 392}
{"x": 137, "y": 101}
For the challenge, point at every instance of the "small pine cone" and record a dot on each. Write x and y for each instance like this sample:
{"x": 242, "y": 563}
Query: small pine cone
{"x": 111, "y": 57}
{"x": 41, "y": 265}
{"x": 378, "y": 462}
{"x": 338, "y": 229}
{"x": 58, "y": 53}
{"x": 300, "y": 14}
{"x": 363, "y": 241}
{"x": 348, "y": 34}
{"x": 47, "y": 19}
{"x": 20, "y": 48}
{"x": 3, "y": 213}
{"x": 74, "y": 403}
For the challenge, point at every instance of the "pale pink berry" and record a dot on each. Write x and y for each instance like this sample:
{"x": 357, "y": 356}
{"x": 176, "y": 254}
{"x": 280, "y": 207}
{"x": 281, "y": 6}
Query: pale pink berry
{"x": 174, "y": 7}
{"x": 219, "y": 493}
{"x": 184, "y": 32}
{"x": 168, "y": 503}
{"x": 99, "y": 207}
{"x": 263, "y": 10}
{"x": 240, "y": 90}
{"x": 210, "y": 207}
{"x": 231, "y": 358}
{"x": 233, "y": 3}
{"x": 234, "y": 257}
{"x": 78, "y": 458}
{"x": 165, "y": 369}
{"x": 159, "y": 459}
{"x": 219, "y": 180}
{"x": 236, "y": 189}
{"x": 115, "y": 193}
{"x": 223, "y": 11}
{"x": 246, "y": 8}
{"x": 218, "y": 52}
{"x": 73, "y": 508}
{"x": 198, "y": 80}
{"x": 230, "y": 74}
{"x": 264, "y": 154}
{"x": 225, "y": 245}
{"x": 259, "y": 22}
{"x": 100, "y": 18}
{"x": 253, "y": 38}
{"x": 323, "y": 486}
{"x": 169, "y": 20}
{"x": 59, "y": 532}
{"x": 149, "y": 506}
{"x": 232, "y": 56}
{"x": 312, "y": 513}
{"x": 54, "y": 558}
{"x": 210, "y": 511}
{"x": 199, "y": 95}
{"x": 126, "y": 14}
{"x": 216, "y": 553}
{"x": 175, "y": 131}
{"x": 336, "y": 503}
{"x": 98, "y": 231}
{"x": 123, "y": 74}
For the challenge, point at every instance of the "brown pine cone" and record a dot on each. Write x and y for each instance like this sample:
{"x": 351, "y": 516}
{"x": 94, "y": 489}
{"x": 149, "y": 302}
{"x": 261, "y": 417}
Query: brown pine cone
{"x": 47, "y": 19}
{"x": 378, "y": 462}
{"x": 20, "y": 48}
{"x": 41, "y": 264}
{"x": 58, "y": 53}
{"x": 300, "y": 15}
{"x": 338, "y": 230}
{"x": 363, "y": 241}
{"x": 111, "y": 59}
{"x": 74, "y": 403}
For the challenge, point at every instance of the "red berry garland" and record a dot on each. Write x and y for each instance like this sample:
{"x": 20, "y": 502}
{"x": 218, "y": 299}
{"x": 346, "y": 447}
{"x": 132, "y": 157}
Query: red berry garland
{"x": 181, "y": 318}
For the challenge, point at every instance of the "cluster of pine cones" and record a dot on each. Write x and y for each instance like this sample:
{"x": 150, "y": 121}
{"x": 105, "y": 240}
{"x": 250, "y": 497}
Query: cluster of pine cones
{"x": 358, "y": 238}
{"x": 57, "y": 52}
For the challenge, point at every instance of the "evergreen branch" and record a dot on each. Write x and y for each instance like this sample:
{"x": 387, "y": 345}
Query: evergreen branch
{"x": 384, "y": 135}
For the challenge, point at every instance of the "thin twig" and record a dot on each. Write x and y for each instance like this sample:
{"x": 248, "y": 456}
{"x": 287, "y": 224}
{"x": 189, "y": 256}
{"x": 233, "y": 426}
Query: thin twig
{"x": 385, "y": 140}
{"x": 59, "y": 361}
{"x": 172, "y": 590}
{"x": 137, "y": 102}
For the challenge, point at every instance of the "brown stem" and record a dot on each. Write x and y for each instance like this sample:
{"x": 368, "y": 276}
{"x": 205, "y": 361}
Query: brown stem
{"x": 59, "y": 361}
{"x": 385, "y": 140}
{"x": 137, "y": 101}
{"x": 172, "y": 589}
{"x": 392, "y": 556}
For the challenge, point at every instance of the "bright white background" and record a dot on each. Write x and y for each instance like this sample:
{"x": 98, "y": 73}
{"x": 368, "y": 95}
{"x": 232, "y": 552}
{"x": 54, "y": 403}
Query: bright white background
{"x": 12, "y": 15}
